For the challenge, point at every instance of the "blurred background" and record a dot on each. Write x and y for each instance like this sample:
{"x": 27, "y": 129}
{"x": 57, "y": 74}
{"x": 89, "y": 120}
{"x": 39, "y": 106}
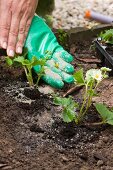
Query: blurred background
{"x": 68, "y": 14}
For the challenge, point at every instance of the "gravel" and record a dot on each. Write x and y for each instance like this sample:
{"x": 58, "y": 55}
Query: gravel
{"x": 70, "y": 13}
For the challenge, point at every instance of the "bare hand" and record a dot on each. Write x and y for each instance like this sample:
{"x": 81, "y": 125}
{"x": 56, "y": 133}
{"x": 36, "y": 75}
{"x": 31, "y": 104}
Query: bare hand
{"x": 15, "y": 20}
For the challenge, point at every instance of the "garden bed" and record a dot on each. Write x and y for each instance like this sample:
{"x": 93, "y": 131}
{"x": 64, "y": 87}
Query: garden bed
{"x": 32, "y": 133}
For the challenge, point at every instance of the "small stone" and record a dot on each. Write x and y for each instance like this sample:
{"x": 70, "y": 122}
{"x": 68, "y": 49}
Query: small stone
{"x": 100, "y": 143}
{"x": 98, "y": 156}
{"x": 100, "y": 163}
{"x": 2, "y": 165}
{"x": 65, "y": 159}
{"x": 7, "y": 168}
{"x": 105, "y": 139}
{"x": 83, "y": 156}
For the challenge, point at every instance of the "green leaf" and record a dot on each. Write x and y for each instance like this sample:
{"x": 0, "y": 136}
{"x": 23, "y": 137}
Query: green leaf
{"x": 65, "y": 102}
{"x": 27, "y": 62}
{"x": 111, "y": 109}
{"x": 57, "y": 100}
{"x": 73, "y": 105}
{"x": 68, "y": 115}
{"x": 69, "y": 106}
{"x": 23, "y": 61}
{"x": 103, "y": 111}
{"x": 78, "y": 76}
{"x": 107, "y": 36}
{"x": 62, "y": 101}
{"x": 19, "y": 59}
{"x": 9, "y": 61}
{"x": 36, "y": 61}
{"x": 106, "y": 114}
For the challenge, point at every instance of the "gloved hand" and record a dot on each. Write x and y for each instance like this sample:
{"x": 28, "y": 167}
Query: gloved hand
{"x": 40, "y": 39}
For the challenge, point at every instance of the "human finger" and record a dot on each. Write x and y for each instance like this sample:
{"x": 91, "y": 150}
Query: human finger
{"x": 13, "y": 34}
{"x": 5, "y": 21}
{"x": 23, "y": 31}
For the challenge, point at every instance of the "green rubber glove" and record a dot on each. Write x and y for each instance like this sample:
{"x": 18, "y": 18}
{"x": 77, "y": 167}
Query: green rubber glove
{"x": 40, "y": 39}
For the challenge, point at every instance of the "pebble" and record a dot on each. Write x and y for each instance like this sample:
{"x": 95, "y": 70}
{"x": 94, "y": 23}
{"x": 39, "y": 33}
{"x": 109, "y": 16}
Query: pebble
{"x": 70, "y": 13}
{"x": 100, "y": 144}
{"x": 65, "y": 159}
{"x": 105, "y": 139}
{"x": 100, "y": 163}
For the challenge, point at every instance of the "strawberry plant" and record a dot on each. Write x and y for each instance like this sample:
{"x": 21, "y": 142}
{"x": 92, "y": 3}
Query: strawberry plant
{"x": 72, "y": 111}
{"x": 28, "y": 65}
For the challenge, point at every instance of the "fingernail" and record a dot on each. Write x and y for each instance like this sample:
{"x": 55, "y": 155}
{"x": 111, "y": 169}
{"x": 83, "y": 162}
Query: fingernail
{"x": 11, "y": 53}
{"x": 19, "y": 50}
{"x": 4, "y": 45}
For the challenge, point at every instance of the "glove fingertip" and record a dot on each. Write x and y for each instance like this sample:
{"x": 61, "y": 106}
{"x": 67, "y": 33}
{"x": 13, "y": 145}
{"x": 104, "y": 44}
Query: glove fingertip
{"x": 67, "y": 57}
{"x": 67, "y": 78}
{"x": 70, "y": 79}
{"x": 69, "y": 68}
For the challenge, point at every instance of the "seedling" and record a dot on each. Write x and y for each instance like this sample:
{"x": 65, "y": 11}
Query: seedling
{"x": 28, "y": 66}
{"x": 90, "y": 82}
{"x": 107, "y": 36}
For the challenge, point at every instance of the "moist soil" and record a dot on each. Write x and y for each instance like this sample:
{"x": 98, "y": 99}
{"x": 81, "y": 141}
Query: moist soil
{"x": 32, "y": 133}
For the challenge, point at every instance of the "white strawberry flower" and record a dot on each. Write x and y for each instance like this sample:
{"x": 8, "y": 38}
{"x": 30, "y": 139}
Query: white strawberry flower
{"x": 95, "y": 74}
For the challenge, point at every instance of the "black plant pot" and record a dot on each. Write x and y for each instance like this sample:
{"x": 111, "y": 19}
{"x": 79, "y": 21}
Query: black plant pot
{"x": 105, "y": 54}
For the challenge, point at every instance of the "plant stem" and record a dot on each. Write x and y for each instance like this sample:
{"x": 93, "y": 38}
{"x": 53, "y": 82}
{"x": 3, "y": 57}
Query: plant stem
{"x": 80, "y": 115}
{"x": 89, "y": 101}
{"x": 88, "y": 105}
{"x": 41, "y": 73}
{"x": 39, "y": 76}
{"x": 87, "y": 97}
{"x": 84, "y": 101}
{"x": 30, "y": 78}
{"x": 28, "y": 73}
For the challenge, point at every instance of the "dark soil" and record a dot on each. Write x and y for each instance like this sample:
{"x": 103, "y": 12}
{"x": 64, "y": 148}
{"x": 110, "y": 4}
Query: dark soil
{"x": 110, "y": 50}
{"x": 33, "y": 135}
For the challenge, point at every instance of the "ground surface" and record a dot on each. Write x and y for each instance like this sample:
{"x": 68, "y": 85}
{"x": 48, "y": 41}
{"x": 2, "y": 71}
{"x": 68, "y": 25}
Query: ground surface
{"x": 70, "y": 13}
{"x": 33, "y": 136}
